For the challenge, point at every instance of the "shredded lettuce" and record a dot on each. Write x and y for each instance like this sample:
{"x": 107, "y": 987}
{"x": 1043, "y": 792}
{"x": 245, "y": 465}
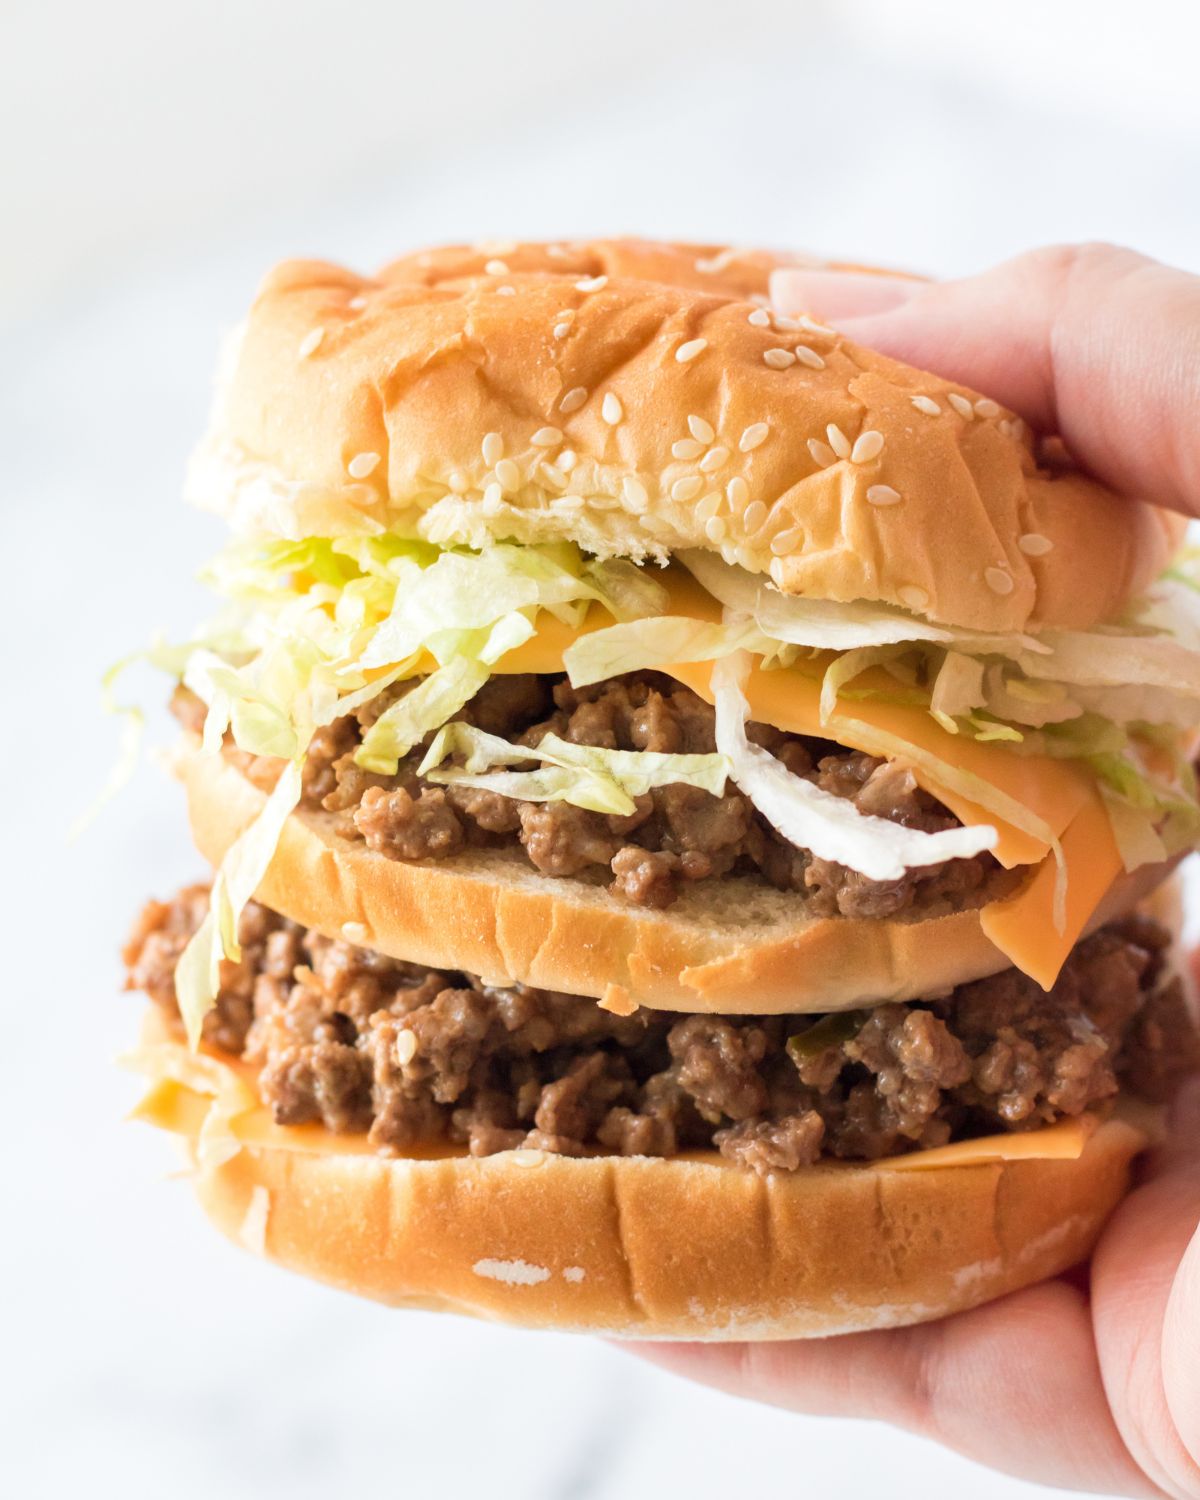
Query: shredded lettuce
{"x": 133, "y": 727}
{"x": 198, "y": 973}
{"x": 644, "y": 644}
{"x": 588, "y": 776}
{"x": 830, "y": 826}
{"x": 958, "y": 687}
{"x": 824, "y": 624}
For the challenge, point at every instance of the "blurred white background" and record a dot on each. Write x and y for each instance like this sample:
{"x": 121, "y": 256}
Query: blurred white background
{"x": 157, "y": 157}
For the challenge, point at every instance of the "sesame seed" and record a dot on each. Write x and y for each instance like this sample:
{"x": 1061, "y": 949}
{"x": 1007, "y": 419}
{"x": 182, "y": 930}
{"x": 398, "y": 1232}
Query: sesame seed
{"x": 961, "y": 405}
{"x": 568, "y": 503}
{"x": 496, "y": 268}
{"x": 687, "y": 352}
{"x": 745, "y": 557}
{"x": 552, "y": 476}
{"x": 591, "y": 284}
{"x": 823, "y": 454}
{"x": 493, "y": 498}
{"x": 574, "y": 399}
{"x": 714, "y": 529}
{"x": 785, "y": 324}
{"x": 718, "y": 262}
{"x": 362, "y": 464}
{"x": 457, "y": 482}
{"x": 506, "y": 291}
{"x": 574, "y": 1273}
{"x": 611, "y": 409}
{"x": 686, "y": 448}
{"x": 493, "y": 448}
{"x": 708, "y": 507}
{"x": 636, "y": 495}
{"x": 567, "y": 460}
{"x": 999, "y": 580}
{"x": 528, "y": 1156}
{"x": 928, "y": 405}
{"x": 561, "y": 330}
{"x": 867, "y": 445}
{"x": 310, "y": 343}
{"x": 913, "y": 597}
{"x": 546, "y": 437}
{"x": 406, "y": 1047}
{"x": 737, "y": 492}
{"x": 787, "y": 541}
{"x": 760, "y": 317}
{"x": 357, "y": 303}
{"x": 714, "y": 459}
{"x": 986, "y": 407}
{"x": 753, "y": 435}
{"x": 778, "y": 359}
{"x": 687, "y": 488}
{"x": 701, "y": 430}
{"x": 509, "y": 475}
{"x": 812, "y": 326}
{"x": 355, "y": 932}
{"x": 809, "y": 357}
{"x": 883, "y": 494}
{"x": 838, "y": 440}
{"x": 754, "y": 516}
{"x": 1033, "y": 544}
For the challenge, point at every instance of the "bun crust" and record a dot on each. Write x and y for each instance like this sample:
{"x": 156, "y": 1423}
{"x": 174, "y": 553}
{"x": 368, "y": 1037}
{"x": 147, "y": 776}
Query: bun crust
{"x": 735, "y": 947}
{"x": 687, "y": 1248}
{"x": 366, "y": 401}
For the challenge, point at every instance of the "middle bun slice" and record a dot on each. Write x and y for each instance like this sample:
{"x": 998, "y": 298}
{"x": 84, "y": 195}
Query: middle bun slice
{"x": 733, "y": 945}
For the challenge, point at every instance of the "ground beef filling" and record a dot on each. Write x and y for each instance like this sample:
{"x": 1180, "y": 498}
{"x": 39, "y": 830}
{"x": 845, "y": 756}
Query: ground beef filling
{"x": 413, "y": 1055}
{"x": 676, "y": 835}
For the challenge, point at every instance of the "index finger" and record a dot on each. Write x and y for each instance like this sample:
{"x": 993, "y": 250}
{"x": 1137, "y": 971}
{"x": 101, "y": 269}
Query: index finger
{"x": 1092, "y": 342}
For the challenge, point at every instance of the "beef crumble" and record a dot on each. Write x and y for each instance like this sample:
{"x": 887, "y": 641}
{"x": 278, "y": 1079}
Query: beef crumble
{"x": 412, "y": 1055}
{"x": 676, "y": 835}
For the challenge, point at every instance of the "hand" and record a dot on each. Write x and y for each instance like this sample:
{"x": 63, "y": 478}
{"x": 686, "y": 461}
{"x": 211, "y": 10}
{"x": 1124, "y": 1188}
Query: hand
{"x": 1091, "y": 1381}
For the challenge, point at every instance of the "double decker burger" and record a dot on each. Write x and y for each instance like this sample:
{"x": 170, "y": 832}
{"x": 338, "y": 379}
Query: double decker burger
{"x": 685, "y": 796}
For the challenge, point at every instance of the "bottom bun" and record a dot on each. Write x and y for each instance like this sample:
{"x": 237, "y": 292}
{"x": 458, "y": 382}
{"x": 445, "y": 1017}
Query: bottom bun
{"x": 690, "y": 1247}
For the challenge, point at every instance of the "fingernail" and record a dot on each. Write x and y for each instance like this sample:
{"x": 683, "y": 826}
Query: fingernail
{"x": 835, "y": 295}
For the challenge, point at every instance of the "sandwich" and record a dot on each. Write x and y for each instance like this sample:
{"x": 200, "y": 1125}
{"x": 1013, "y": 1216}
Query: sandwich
{"x": 689, "y": 802}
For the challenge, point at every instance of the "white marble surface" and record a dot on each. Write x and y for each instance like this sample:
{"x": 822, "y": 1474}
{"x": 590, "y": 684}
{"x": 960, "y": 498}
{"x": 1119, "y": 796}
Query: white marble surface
{"x": 163, "y": 157}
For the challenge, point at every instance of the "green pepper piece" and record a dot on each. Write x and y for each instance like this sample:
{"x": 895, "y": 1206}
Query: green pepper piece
{"x": 829, "y": 1031}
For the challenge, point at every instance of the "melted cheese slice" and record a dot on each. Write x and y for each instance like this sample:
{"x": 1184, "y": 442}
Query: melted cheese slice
{"x": 1061, "y": 793}
{"x": 1018, "y": 925}
{"x": 184, "y": 1111}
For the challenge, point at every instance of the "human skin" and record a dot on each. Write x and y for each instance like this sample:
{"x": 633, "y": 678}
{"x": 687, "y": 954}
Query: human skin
{"x": 1090, "y": 1381}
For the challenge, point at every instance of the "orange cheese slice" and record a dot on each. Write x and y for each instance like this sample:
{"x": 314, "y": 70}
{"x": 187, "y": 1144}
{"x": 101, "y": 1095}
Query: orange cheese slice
{"x": 181, "y": 1110}
{"x": 1019, "y": 926}
{"x": 1063, "y": 1141}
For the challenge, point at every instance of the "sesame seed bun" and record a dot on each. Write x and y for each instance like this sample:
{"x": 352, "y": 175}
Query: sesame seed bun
{"x": 692, "y": 417}
{"x": 730, "y": 945}
{"x": 690, "y": 1247}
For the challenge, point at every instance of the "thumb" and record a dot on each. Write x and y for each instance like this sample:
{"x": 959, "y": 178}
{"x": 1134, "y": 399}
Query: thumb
{"x": 1092, "y": 342}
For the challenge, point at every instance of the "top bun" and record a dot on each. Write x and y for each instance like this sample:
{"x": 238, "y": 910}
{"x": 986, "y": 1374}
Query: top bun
{"x": 639, "y": 399}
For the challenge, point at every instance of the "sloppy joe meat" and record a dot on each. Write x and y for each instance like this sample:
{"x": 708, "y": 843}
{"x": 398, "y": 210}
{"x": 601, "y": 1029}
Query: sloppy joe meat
{"x": 411, "y": 1055}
